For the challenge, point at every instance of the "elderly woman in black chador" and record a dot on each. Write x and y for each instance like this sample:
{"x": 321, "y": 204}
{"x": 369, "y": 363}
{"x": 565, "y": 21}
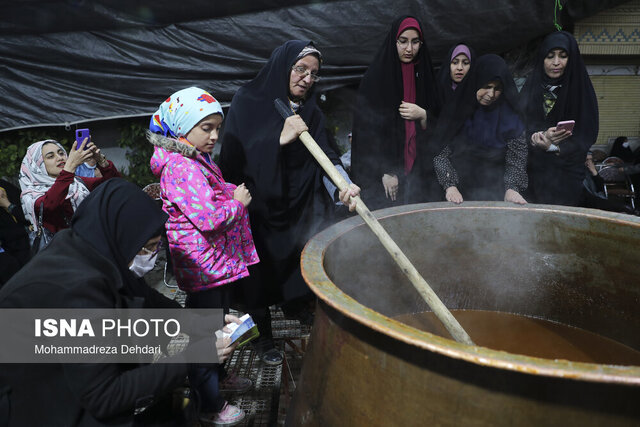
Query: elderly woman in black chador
{"x": 559, "y": 89}
{"x": 291, "y": 197}
{"x": 454, "y": 69}
{"x": 483, "y": 151}
{"x": 396, "y": 105}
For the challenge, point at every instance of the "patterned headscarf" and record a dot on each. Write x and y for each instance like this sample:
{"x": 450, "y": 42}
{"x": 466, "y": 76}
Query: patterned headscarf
{"x": 35, "y": 181}
{"x": 179, "y": 113}
{"x": 310, "y": 49}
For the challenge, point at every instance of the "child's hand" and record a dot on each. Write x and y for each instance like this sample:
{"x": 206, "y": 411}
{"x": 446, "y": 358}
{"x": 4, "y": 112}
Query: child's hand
{"x": 242, "y": 195}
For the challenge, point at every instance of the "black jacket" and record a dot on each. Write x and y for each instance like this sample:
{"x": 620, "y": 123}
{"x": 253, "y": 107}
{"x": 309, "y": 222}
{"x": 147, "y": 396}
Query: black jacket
{"x": 80, "y": 394}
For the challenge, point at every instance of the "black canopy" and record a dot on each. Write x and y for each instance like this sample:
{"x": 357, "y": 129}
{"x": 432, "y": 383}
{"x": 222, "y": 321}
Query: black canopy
{"x": 69, "y": 61}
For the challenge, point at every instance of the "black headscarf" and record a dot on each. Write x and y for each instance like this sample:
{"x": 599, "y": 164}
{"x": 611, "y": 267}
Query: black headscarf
{"x": 464, "y": 120}
{"x": 576, "y": 99}
{"x": 250, "y": 144}
{"x": 117, "y": 219}
{"x": 378, "y": 141}
{"x": 289, "y": 201}
{"x": 445, "y": 91}
{"x": 619, "y": 150}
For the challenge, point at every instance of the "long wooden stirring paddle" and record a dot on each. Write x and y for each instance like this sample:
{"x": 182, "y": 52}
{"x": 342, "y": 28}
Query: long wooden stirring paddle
{"x": 439, "y": 309}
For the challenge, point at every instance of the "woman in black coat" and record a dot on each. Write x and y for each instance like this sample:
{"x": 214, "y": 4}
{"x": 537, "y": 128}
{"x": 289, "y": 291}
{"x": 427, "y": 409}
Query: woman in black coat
{"x": 484, "y": 153}
{"x": 292, "y": 198}
{"x": 558, "y": 89}
{"x": 91, "y": 265}
{"x": 396, "y": 107}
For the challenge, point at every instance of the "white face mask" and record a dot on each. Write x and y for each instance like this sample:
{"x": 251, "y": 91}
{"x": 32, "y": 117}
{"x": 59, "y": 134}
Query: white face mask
{"x": 142, "y": 264}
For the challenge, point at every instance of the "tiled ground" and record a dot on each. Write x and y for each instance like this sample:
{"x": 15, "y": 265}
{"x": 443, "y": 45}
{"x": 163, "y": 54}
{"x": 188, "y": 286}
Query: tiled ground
{"x": 266, "y": 403}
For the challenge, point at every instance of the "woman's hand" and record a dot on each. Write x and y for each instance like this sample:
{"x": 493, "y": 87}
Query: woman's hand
{"x": 223, "y": 348}
{"x": 409, "y": 111}
{"x": 514, "y": 197}
{"x": 241, "y": 194}
{"x": 99, "y": 158}
{"x": 77, "y": 156}
{"x": 347, "y": 194}
{"x": 544, "y": 139}
{"x": 540, "y": 141}
{"x": 591, "y": 166}
{"x": 556, "y": 136}
{"x": 292, "y": 129}
{"x": 390, "y": 184}
{"x": 230, "y": 318}
{"x": 453, "y": 195}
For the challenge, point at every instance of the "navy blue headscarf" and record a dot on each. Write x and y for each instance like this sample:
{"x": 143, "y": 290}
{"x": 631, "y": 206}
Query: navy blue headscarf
{"x": 489, "y": 126}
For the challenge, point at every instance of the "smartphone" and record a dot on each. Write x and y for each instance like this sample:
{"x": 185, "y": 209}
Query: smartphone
{"x": 566, "y": 125}
{"x": 81, "y": 134}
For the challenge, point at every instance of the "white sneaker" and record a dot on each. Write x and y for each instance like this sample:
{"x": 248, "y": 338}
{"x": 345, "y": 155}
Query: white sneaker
{"x": 230, "y": 415}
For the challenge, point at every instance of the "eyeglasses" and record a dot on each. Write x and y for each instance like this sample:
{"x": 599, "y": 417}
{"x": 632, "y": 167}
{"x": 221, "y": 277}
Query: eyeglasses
{"x": 154, "y": 249}
{"x": 403, "y": 43}
{"x": 302, "y": 71}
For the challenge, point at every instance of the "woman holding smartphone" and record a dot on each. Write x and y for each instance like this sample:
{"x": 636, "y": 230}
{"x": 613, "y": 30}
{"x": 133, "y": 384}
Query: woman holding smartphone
{"x": 558, "y": 90}
{"x": 48, "y": 180}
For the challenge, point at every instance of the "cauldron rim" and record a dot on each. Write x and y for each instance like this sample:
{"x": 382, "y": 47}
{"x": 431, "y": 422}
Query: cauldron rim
{"x": 320, "y": 283}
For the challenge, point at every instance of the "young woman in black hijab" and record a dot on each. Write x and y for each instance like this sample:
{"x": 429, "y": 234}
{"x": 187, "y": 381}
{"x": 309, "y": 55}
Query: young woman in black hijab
{"x": 395, "y": 110}
{"x": 114, "y": 233}
{"x": 291, "y": 199}
{"x": 454, "y": 69}
{"x": 559, "y": 89}
{"x": 484, "y": 153}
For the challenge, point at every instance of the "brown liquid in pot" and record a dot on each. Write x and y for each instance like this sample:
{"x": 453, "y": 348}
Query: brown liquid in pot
{"x": 529, "y": 336}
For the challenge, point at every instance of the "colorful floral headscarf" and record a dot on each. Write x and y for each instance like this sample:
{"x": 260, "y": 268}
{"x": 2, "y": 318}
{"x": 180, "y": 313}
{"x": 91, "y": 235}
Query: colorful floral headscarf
{"x": 182, "y": 111}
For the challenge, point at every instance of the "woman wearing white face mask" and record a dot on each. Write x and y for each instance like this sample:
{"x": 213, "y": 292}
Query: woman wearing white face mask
{"x": 94, "y": 264}
{"x": 145, "y": 260}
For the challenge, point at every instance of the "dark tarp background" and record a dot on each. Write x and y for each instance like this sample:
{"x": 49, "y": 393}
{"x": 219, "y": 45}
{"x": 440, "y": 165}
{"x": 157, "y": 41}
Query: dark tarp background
{"x": 69, "y": 61}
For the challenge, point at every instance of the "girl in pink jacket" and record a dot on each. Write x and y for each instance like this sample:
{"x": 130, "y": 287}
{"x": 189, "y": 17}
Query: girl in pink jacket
{"x": 208, "y": 227}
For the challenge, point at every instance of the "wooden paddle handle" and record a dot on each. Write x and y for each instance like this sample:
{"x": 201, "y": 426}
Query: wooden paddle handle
{"x": 439, "y": 309}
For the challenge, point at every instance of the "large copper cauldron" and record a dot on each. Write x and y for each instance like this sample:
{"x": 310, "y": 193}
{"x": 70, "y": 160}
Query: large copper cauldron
{"x": 579, "y": 267}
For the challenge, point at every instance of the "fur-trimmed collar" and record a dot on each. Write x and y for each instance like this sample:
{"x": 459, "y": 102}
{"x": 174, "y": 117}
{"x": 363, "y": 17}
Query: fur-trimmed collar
{"x": 172, "y": 144}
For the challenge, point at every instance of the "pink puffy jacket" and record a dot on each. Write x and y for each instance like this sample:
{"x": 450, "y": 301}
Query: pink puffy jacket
{"x": 208, "y": 231}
